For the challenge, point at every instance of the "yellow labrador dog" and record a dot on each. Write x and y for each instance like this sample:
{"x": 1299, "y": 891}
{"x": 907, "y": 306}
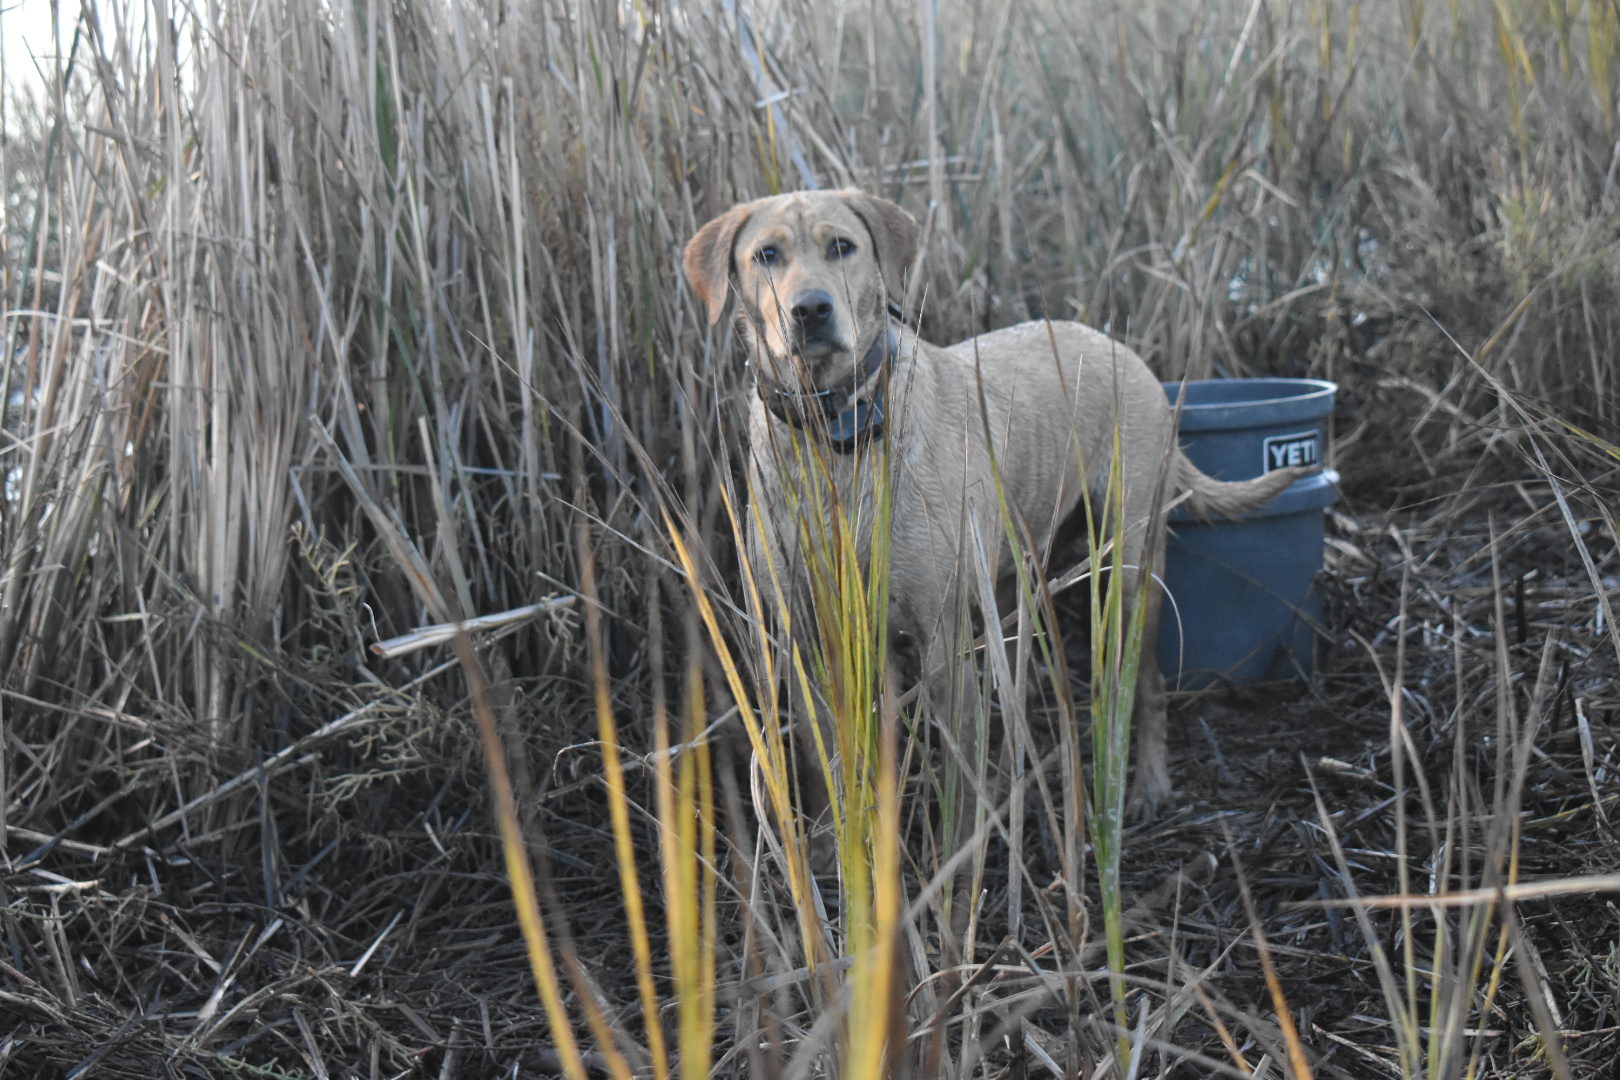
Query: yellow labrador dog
{"x": 813, "y": 273}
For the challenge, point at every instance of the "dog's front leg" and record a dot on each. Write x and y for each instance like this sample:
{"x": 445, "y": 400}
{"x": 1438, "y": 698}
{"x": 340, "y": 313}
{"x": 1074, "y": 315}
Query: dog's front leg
{"x": 775, "y": 564}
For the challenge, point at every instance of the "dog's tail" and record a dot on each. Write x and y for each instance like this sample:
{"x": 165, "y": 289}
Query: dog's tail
{"x": 1208, "y": 497}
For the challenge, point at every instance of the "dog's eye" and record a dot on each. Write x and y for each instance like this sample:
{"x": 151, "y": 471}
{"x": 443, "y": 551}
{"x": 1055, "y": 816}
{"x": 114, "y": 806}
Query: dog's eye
{"x": 840, "y": 248}
{"x": 767, "y": 255}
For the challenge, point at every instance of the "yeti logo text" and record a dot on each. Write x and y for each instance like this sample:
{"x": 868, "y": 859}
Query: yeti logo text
{"x": 1282, "y": 451}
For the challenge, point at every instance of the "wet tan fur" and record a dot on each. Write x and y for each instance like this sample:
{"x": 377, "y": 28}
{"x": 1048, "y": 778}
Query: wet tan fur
{"x": 1052, "y": 394}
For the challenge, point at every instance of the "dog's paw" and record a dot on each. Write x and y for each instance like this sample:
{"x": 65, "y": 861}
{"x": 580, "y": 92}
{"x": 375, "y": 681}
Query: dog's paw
{"x": 1150, "y": 789}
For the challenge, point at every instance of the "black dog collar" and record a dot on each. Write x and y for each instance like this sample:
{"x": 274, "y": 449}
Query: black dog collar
{"x": 849, "y": 427}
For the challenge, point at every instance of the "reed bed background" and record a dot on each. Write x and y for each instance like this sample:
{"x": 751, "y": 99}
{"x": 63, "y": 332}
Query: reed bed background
{"x": 328, "y": 322}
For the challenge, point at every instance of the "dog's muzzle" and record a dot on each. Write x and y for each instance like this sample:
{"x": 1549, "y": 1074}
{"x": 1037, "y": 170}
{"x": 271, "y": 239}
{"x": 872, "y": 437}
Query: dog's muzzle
{"x": 812, "y": 316}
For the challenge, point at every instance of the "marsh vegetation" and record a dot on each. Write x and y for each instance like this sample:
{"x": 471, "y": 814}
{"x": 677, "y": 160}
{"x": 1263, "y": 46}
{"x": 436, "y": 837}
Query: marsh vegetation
{"x": 326, "y": 322}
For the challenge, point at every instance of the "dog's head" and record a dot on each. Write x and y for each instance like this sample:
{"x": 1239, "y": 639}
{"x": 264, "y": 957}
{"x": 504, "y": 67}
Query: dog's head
{"x": 811, "y": 271}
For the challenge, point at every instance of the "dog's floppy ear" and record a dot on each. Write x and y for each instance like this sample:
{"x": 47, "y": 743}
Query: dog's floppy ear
{"x": 708, "y": 259}
{"x": 893, "y": 230}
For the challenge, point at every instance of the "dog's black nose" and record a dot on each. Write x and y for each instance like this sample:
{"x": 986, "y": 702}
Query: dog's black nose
{"x": 812, "y": 310}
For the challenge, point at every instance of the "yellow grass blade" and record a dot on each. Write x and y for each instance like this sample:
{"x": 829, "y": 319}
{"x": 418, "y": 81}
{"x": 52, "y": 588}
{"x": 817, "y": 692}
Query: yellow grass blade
{"x": 769, "y": 749}
{"x": 520, "y": 873}
{"x": 619, "y": 810}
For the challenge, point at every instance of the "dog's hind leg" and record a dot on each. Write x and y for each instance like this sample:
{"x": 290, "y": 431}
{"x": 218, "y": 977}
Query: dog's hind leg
{"x": 1150, "y": 784}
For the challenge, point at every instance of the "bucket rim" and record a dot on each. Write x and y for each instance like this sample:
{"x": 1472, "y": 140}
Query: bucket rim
{"x": 1243, "y": 404}
{"x": 1303, "y": 390}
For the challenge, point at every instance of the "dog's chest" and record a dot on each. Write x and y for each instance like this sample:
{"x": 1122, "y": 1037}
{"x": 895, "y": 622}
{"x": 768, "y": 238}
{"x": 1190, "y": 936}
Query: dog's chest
{"x": 814, "y": 502}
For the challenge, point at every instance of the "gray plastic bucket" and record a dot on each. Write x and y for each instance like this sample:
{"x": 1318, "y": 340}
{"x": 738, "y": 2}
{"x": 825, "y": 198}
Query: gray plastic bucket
{"x": 1243, "y": 603}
